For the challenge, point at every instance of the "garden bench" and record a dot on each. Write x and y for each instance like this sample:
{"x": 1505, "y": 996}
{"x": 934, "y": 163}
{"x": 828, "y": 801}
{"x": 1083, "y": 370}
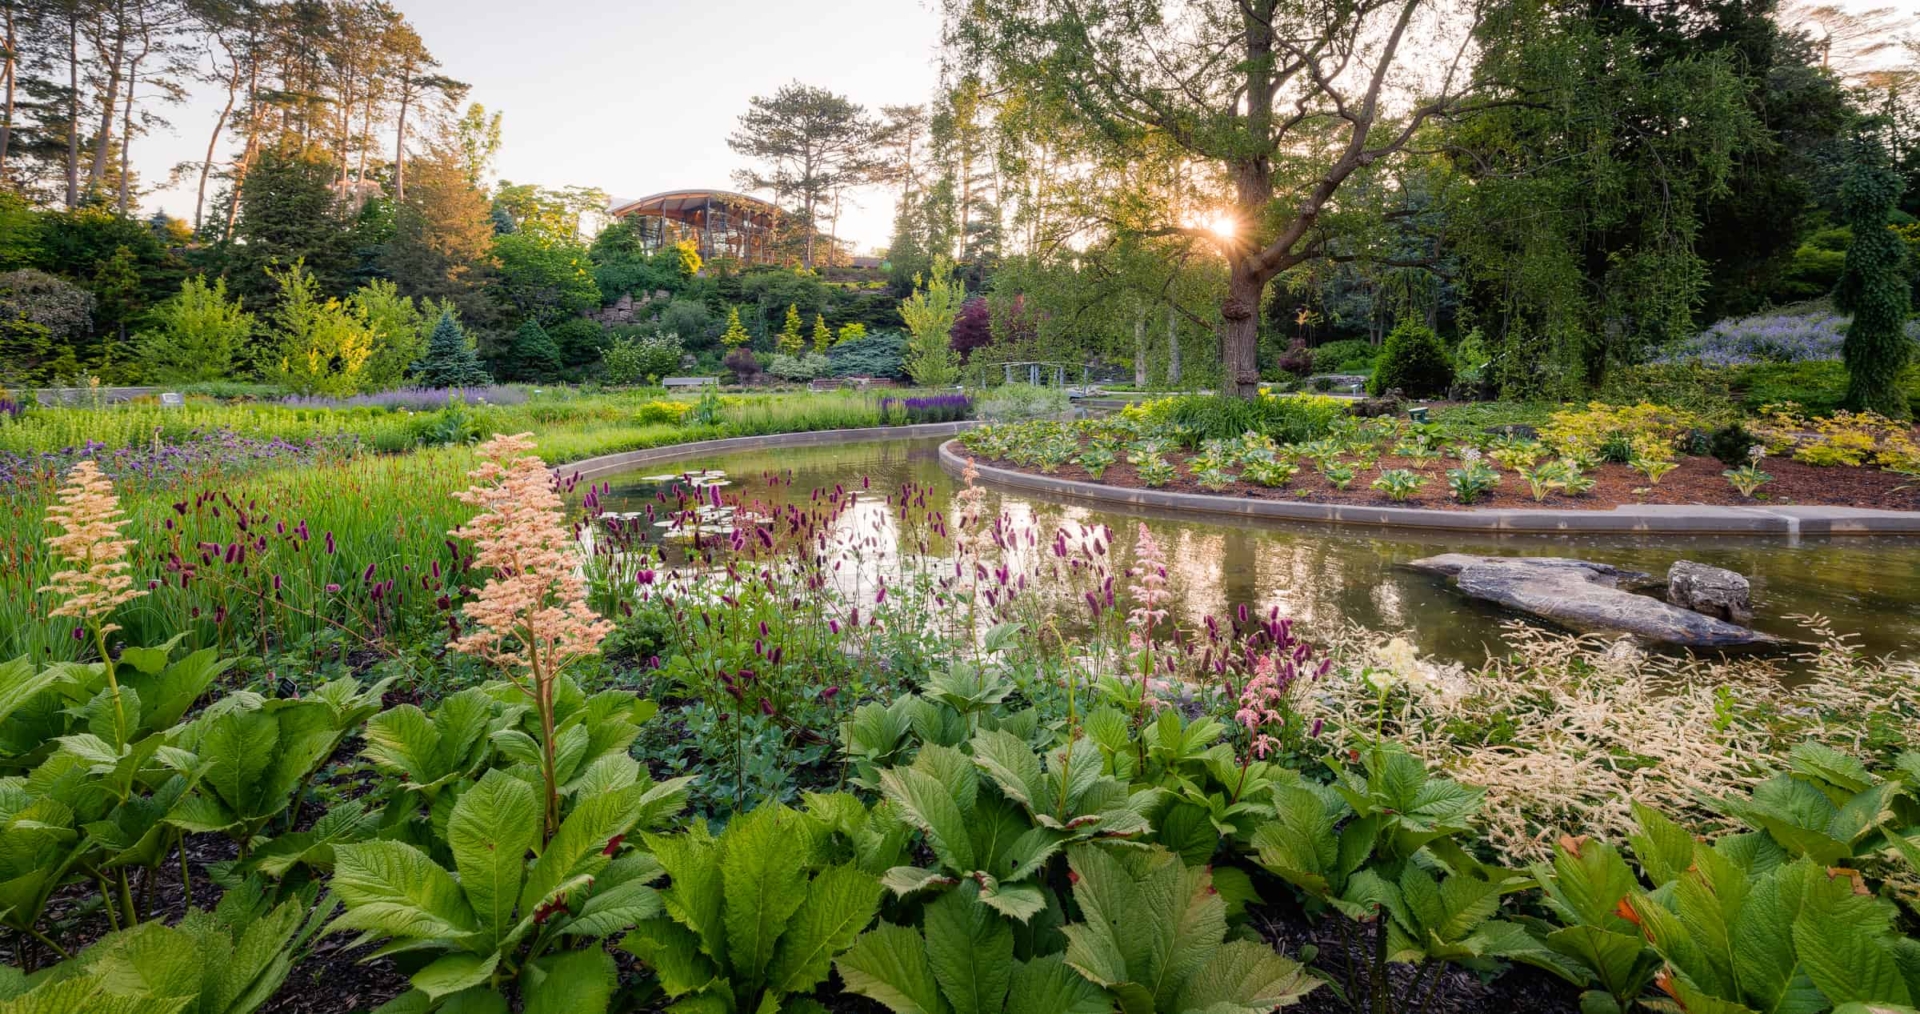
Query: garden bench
{"x": 672, "y": 382}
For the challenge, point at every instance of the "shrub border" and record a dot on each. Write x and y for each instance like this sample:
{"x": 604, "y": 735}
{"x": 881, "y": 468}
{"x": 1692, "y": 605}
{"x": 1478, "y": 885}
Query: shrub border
{"x": 1644, "y": 519}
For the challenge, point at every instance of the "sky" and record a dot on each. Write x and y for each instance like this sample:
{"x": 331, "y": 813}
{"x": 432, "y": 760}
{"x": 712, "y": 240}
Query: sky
{"x": 636, "y": 98}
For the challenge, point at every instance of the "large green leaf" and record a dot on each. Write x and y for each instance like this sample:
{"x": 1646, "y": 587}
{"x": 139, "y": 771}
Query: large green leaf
{"x": 764, "y": 876}
{"x": 393, "y": 888}
{"x": 695, "y": 899}
{"x": 889, "y": 964}
{"x": 577, "y": 851}
{"x": 493, "y": 826}
{"x": 22, "y": 681}
{"x": 451, "y": 973}
{"x": 929, "y": 805}
{"x": 571, "y": 982}
{"x": 673, "y": 952}
{"x": 1242, "y": 977}
{"x": 1046, "y": 985}
{"x": 971, "y": 951}
{"x": 840, "y": 903}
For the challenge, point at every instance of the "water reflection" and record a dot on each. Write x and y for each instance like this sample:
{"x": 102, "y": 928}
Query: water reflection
{"x": 1327, "y": 576}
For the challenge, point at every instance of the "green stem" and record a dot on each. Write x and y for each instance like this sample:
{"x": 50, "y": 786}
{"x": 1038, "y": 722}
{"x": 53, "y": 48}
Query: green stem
{"x": 42, "y": 937}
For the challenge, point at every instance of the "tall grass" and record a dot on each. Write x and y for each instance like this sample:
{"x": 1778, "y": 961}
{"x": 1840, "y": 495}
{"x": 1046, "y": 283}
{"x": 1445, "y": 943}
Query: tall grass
{"x": 347, "y": 545}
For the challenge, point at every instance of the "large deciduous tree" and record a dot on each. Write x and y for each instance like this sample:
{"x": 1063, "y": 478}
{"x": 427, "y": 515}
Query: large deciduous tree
{"x": 1276, "y": 103}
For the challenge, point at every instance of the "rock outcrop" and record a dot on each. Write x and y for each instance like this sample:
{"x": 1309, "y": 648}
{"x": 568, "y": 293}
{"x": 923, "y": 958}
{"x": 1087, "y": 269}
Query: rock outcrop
{"x": 1713, "y": 591}
{"x": 1585, "y": 596}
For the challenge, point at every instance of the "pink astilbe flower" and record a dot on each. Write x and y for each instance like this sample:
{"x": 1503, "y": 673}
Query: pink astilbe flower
{"x": 1149, "y": 590}
{"x": 1262, "y": 702}
{"x": 90, "y": 520}
{"x": 532, "y": 615}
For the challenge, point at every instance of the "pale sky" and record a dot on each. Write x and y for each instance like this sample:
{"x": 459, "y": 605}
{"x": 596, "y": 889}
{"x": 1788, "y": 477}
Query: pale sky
{"x": 638, "y": 98}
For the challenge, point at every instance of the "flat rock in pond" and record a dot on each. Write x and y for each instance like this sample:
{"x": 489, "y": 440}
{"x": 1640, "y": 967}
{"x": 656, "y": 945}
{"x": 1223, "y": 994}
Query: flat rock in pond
{"x": 1585, "y": 596}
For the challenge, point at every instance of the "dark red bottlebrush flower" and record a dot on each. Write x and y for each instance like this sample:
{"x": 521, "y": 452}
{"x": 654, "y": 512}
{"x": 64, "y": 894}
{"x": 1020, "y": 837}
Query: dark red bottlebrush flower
{"x": 766, "y": 707}
{"x": 613, "y": 844}
{"x": 830, "y": 693}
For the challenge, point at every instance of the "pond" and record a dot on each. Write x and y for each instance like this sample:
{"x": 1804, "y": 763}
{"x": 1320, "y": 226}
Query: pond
{"x": 1327, "y": 576}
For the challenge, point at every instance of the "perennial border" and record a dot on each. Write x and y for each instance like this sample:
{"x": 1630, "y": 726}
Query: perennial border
{"x": 1646, "y": 519}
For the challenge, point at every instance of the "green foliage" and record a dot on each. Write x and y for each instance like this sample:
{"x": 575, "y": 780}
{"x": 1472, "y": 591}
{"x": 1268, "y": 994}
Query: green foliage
{"x": 1399, "y": 484}
{"x": 543, "y": 280}
{"x": 879, "y": 355}
{"x": 929, "y": 314}
{"x": 791, "y": 341}
{"x": 1193, "y": 418}
{"x": 530, "y": 354}
{"x": 1155, "y": 935}
{"x": 450, "y": 359}
{"x": 1472, "y": 480}
{"x": 641, "y": 360}
{"x": 318, "y": 346}
{"x": 735, "y": 335}
{"x": 752, "y": 917}
{"x": 963, "y": 962}
{"x": 1414, "y": 362}
{"x": 1829, "y": 808}
{"x": 399, "y": 332}
{"x": 1875, "y": 288}
{"x": 198, "y": 334}
{"x": 1747, "y": 479}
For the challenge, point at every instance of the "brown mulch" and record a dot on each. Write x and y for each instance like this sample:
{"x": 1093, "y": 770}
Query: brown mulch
{"x": 1697, "y": 481}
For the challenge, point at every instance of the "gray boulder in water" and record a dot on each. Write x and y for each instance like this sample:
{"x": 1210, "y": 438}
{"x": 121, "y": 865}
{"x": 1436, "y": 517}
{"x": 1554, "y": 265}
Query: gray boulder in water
{"x": 1585, "y": 596}
{"x": 1714, "y": 591}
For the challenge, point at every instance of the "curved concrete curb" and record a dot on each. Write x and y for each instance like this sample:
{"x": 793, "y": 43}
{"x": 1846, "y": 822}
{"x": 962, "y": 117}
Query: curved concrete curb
{"x": 608, "y": 464}
{"x": 1648, "y": 519}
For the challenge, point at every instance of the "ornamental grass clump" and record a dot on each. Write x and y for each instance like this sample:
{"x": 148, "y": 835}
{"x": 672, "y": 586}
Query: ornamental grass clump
{"x": 531, "y": 618}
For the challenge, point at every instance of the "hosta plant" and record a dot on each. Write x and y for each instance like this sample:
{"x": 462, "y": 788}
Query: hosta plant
{"x": 1399, "y": 484}
{"x": 1654, "y": 469}
{"x": 1210, "y": 474}
{"x": 1269, "y": 472}
{"x": 963, "y": 961}
{"x": 495, "y": 918}
{"x": 1471, "y": 481}
{"x": 1154, "y": 470}
{"x": 749, "y": 921}
{"x": 1514, "y": 454}
{"x": 1747, "y": 479}
{"x": 1155, "y": 936}
{"x": 1096, "y": 458}
{"x": 1339, "y": 473}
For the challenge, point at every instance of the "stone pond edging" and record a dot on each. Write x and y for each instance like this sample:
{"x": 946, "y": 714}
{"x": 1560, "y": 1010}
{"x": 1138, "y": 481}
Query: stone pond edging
{"x": 1658, "y": 519}
{"x": 623, "y": 461}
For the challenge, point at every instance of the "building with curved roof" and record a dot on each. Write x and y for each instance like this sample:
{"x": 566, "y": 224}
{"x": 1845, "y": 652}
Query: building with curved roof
{"x": 720, "y": 222}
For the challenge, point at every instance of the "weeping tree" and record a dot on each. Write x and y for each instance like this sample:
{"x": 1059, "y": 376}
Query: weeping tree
{"x": 1874, "y": 285}
{"x": 1275, "y": 104}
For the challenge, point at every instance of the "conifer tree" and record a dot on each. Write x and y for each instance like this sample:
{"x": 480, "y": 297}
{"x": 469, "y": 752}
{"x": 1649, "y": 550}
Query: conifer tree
{"x": 791, "y": 341}
{"x": 822, "y": 335}
{"x": 1874, "y": 286}
{"x": 735, "y": 335}
{"x": 450, "y": 361}
{"x": 531, "y": 354}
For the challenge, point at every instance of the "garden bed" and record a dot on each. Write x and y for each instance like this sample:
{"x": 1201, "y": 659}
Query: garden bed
{"x": 1697, "y": 481}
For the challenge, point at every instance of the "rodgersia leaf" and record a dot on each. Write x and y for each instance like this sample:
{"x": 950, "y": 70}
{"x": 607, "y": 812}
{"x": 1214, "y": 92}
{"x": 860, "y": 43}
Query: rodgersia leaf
{"x": 889, "y": 964}
{"x": 971, "y": 951}
{"x": 493, "y": 826}
{"x": 840, "y": 902}
{"x": 393, "y": 888}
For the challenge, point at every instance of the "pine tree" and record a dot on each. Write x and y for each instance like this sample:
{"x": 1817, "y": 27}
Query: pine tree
{"x": 735, "y": 335}
{"x": 1873, "y": 287}
{"x": 531, "y": 354}
{"x": 450, "y": 361}
{"x": 790, "y": 340}
{"x": 822, "y": 335}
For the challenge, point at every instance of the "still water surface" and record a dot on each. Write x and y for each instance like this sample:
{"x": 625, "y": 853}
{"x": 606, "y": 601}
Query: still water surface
{"x": 1326, "y": 576}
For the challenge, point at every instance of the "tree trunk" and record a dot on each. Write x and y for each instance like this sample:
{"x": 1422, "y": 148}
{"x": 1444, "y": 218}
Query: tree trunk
{"x": 213, "y": 142}
{"x": 73, "y": 106}
{"x": 98, "y": 170}
{"x": 1240, "y": 333}
{"x": 400, "y": 142}
{"x": 1140, "y": 351}
{"x": 6, "y": 114}
{"x": 1173, "y": 345}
